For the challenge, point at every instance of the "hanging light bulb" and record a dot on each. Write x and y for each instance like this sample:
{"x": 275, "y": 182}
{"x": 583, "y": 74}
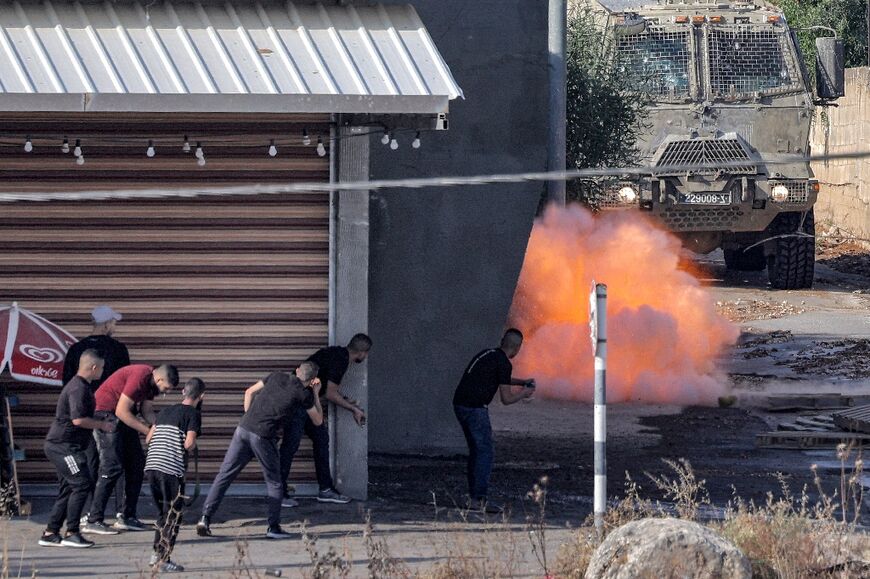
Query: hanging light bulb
{"x": 385, "y": 140}
{"x": 394, "y": 144}
{"x": 186, "y": 146}
{"x": 321, "y": 150}
{"x": 80, "y": 160}
{"x": 199, "y": 154}
{"x": 65, "y": 146}
{"x": 78, "y": 150}
{"x": 416, "y": 142}
{"x": 273, "y": 150}
{"x": 28, "y": 145}
{"x": 306, "y": 140}
{"x": 201, "y": 161}
{"x": 150, "y": 152}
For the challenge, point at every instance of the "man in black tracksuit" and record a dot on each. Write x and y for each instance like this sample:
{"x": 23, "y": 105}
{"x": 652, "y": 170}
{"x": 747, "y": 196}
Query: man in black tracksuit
{"x": 65, "y": 445}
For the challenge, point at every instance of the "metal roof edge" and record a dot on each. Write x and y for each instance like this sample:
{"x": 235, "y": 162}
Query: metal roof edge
{"x": 223, "y": 103}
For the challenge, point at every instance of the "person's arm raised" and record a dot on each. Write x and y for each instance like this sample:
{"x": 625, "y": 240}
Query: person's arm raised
{"x": 251, "y": 392}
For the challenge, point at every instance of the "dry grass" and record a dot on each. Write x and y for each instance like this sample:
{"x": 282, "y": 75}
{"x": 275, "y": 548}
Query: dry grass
{"x": 484, "y": 550}
{"x": 787, "y": 537}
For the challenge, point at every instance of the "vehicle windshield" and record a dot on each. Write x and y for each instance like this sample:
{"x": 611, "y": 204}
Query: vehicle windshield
{"x": 745, "y": 61}
{"x": 659, "y": 60}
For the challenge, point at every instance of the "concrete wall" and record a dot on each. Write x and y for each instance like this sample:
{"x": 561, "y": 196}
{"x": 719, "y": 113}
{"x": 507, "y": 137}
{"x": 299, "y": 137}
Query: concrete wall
{"x": 444, "y": 262}
{"x": 844, "y": 200}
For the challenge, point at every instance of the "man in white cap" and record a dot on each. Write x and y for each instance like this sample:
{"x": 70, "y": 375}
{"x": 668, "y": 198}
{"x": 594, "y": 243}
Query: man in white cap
{"x": 115, "y": 357}
{"x": 113, "y": 352}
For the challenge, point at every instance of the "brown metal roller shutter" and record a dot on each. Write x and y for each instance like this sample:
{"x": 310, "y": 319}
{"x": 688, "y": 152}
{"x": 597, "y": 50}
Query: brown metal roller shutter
{"x": 228, "y": 289}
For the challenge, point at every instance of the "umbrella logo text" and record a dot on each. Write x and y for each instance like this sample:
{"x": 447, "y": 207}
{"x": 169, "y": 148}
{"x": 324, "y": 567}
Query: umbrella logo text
{"x": 43, "y": 355}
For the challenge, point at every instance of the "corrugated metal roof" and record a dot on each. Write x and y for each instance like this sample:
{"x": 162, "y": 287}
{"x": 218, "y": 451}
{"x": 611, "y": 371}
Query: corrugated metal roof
{"x": 229, "y": 56}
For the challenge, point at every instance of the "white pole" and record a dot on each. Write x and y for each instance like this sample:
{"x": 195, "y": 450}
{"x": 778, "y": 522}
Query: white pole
{"x": 557, "y": 67}
{"x": 598, "y": 322}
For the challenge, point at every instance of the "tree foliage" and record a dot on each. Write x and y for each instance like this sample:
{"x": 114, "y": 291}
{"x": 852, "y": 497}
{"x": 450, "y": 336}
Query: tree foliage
{"x": 605, "y": 110}
{"x": 847, "y": 17}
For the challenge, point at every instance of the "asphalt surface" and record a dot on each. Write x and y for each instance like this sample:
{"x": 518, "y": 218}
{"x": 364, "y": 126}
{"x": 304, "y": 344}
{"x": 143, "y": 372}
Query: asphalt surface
{"x": 792, "y": 347}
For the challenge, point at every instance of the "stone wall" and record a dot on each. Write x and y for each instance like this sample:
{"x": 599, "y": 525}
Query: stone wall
{"x": 844, "y": 200}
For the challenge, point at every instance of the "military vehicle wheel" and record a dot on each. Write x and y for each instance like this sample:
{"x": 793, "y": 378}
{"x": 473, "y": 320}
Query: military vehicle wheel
{"x": 751, "y": 260}
{"x": 792, "y": 265}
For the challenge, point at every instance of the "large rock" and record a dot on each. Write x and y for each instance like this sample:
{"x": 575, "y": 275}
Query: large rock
{"x": 664, "y": 549}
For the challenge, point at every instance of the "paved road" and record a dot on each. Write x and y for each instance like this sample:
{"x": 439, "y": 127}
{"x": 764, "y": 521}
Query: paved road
{"x": 412, "y": 497}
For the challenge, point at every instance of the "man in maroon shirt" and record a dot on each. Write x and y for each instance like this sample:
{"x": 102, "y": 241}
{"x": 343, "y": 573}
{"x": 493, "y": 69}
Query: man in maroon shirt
{"x": 123, "y": 395}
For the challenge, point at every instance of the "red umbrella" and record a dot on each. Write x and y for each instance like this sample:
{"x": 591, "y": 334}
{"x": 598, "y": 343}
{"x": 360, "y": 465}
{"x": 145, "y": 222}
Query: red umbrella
{"x": 34, "y": 348}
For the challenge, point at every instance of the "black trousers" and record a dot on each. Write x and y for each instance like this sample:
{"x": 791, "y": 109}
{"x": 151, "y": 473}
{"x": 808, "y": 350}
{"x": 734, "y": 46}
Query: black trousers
{"x": 94, "y": 465}
{"x": 168, "y": 493}
{"x": 298, "y": 424}
{"x": 120, "y": 453}
{"x": 75, "y": 481}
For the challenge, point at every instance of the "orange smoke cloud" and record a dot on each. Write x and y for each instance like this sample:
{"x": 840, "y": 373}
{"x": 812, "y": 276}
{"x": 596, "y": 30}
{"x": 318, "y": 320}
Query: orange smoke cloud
{"x": 664, "y": 332}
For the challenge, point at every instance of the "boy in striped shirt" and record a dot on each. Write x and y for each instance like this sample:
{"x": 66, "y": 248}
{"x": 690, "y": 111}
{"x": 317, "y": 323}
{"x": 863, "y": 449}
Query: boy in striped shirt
{"x": 171, "y": 436}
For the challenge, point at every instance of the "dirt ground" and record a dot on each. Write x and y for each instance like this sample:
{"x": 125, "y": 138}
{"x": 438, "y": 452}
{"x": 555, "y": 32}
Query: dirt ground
{"x": 793, "y": 342}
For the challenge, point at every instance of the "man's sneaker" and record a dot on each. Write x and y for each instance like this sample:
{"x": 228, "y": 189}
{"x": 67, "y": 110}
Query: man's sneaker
{"x": 171, "y": 567}
{"x": 277, "y": 533}
{"x": 289, "y": 503}
{"x": 98, "y": 528}
{"x": 50, "y": 540}
{"x": 129, "y": 524}
{"x": 202, "y": 527}
{"x": 77, "y": 541}
{"x": 155, "y": 558}
{"x": 332, "y": 496}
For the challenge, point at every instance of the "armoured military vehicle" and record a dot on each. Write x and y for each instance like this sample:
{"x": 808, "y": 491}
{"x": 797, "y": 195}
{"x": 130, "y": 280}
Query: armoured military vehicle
{"x": 729, "y": 96}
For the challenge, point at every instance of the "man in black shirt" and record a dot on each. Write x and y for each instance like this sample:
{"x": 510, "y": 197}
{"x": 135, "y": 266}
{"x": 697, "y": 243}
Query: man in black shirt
{"x": 115, "y": 357}
{"x": 269, "y": 404}
{"x": 65, "y": 444}
{"x": 333, "y": 363}
{"x": 114, "y": 353}
{"x": 487, "y": 373}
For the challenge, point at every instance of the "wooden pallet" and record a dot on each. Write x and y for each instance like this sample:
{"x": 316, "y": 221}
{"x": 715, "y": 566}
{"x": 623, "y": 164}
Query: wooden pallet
{"x": 817, "y": 423}
{"x": 803, "y": 440}
{"x": 855, "y": 419}
{"x": 828, "y": 401}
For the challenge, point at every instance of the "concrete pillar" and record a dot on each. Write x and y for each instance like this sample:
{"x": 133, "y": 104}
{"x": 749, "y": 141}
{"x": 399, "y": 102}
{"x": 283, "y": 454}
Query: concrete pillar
{"x": 351, "y": 307}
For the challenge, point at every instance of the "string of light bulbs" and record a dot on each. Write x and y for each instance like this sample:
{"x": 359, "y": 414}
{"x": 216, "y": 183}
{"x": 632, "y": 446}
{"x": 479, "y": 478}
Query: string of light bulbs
{"x": 405, "y": 183}
{"x": 151, "y": 145}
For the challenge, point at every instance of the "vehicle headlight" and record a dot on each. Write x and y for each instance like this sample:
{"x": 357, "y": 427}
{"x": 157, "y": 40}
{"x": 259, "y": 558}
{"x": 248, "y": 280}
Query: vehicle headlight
{"x": 779, "y": 193}
{"x": 627, "y": 194}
